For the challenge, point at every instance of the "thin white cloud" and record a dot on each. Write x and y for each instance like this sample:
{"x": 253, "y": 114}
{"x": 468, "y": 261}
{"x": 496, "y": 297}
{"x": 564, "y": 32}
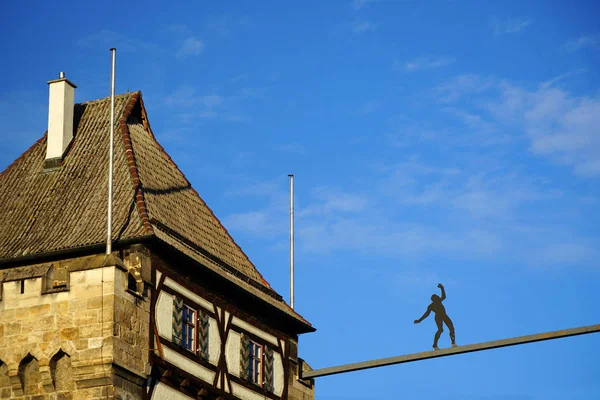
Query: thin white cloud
{"x": 508, "y": 26}
{"x": 359, "y": 4}
{"x": 480, "y": 205}
{"x": 582, "y": 42}
{"x": 476, "y": 191}
{"x": 463, "y": 85}
{"x": 257, "y": 223}
{"x": 415, "y": 284}
{"x": 368, "y": 107}
{"x": 211, "y": 101}
{"x": 423, "y": 63}
{"x": 332, "y": 200}
{"x": 393, "y": 239}
{"x": 269, "y": 220}
{"x": 224, "y": 26}
{"x": 192, "y": 106}
{"x": 478, "y": 216}
{"x": 185, "y": 96}
{"x": 179, "y": 29}
{"x": 566, "y": 253}
{"x": 291, "y": 148}
{"x": 256, "y": 189}
{"x": 108, "y": 38}
{"x": 562, "y": 77}
{"x": 483, "y": 131}
{"x": 238, "y": 78}
{"x": 558, "y": 124}
{"x": 192, "y": 46}
{"x": 364, "y": 26}
{"x": 410, "y": 136}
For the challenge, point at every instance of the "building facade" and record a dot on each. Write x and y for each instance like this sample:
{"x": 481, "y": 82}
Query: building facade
{"x": 176, "y": 311}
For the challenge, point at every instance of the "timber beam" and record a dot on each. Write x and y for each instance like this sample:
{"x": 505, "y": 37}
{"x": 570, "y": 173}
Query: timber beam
{"x": 449, "y": 352}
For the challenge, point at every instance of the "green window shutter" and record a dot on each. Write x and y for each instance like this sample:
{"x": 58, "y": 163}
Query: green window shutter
{"x": 244, "y": 357}
{"x": 268, "y": 370}
{"x": 203, "y": 325}
{"x": 177, "y": 320}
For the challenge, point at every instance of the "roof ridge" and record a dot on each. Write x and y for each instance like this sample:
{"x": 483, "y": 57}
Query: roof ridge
{"x": 140, "y": 202}
{"x": 146, "y": 124}
{"x": 108, "y": 98}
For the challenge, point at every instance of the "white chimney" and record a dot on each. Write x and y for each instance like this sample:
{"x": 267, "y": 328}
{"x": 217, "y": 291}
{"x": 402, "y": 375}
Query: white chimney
{"x": 60, "y": 118}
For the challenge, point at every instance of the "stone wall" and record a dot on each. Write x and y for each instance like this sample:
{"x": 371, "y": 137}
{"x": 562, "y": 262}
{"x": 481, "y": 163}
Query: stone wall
{"x": 61, "y": 340}
{"x": 132, "y": 322}
{"x": 299, "y": 389}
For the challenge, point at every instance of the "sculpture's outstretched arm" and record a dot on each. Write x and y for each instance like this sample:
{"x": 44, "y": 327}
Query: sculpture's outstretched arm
{"x": 424, "y": 316}
{"x": 443, "y": 292}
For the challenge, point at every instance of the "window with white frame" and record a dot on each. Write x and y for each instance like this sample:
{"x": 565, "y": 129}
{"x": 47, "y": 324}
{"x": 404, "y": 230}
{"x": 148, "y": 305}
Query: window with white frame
{"x": 190, "y": 327}
{"x": 255, "y": 362}
{"x": 188, "y": 331}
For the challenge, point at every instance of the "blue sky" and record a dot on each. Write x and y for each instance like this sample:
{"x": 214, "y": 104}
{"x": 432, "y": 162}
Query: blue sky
{"x": 450, "y": 141}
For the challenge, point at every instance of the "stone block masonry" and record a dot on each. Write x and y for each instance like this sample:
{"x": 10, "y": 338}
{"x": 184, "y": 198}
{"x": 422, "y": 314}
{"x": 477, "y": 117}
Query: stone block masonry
{"x": 86, "y": 339}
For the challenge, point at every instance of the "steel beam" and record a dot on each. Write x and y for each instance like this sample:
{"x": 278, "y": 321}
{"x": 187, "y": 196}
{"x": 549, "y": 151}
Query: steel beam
{"x": 450, "y": 352}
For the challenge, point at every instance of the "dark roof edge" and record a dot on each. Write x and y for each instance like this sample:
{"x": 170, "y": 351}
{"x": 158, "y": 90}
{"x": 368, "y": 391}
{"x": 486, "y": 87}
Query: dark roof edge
{"x": 131, "y": 163}
{"x": 146, "y": 124}
{"x": 226, "y": 267}
{"x": 302, "y": 325}
{"x": 42, "y": 257}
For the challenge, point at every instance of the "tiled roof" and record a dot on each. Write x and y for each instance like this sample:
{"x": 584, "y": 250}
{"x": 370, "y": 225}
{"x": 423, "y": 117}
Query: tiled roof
{"x": 50, "y": 210}
{"x": 46, "y": 211}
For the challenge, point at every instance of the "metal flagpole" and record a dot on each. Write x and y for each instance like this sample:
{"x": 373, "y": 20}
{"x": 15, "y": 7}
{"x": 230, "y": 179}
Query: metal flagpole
{"x": 291, "y": 240}
{"x": 110, "y": 157}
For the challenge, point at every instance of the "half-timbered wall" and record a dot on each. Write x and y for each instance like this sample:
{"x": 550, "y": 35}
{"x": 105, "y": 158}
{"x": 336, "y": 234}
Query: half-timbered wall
{"x": 226, "y": 367}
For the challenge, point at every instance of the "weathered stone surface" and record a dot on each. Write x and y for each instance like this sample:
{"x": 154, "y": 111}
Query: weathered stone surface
{"x": 50, "y": 336}
{"x": 59, "y": 308}
{"x": 29, "y": 374}
{"x": 299, "y": 389}
{"x": 69, "y": 336}
{"x": 7, "y": 315}
{"x": 131, "y": 313}
{"x": 81, "y": 344}
{"x": 62, "y": 374}
{"x": 13, "y": 328}
{"x": 39, "y": 310}
{"x": 90, "y": 331}
{"x": 17, "y": 340}
{"x": 69, "y": 333}
{"x": 4, "y": 380}
{"x": 64, "y": 396}
{"x": 95, "y": 343}
{"x": 94, "y": 303}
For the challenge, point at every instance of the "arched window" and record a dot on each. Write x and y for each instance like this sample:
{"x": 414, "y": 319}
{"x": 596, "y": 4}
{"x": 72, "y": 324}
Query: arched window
{"x": 29, "y": 374}
{"x": 5, "y": 388}
{"x": 60, "y": 369}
